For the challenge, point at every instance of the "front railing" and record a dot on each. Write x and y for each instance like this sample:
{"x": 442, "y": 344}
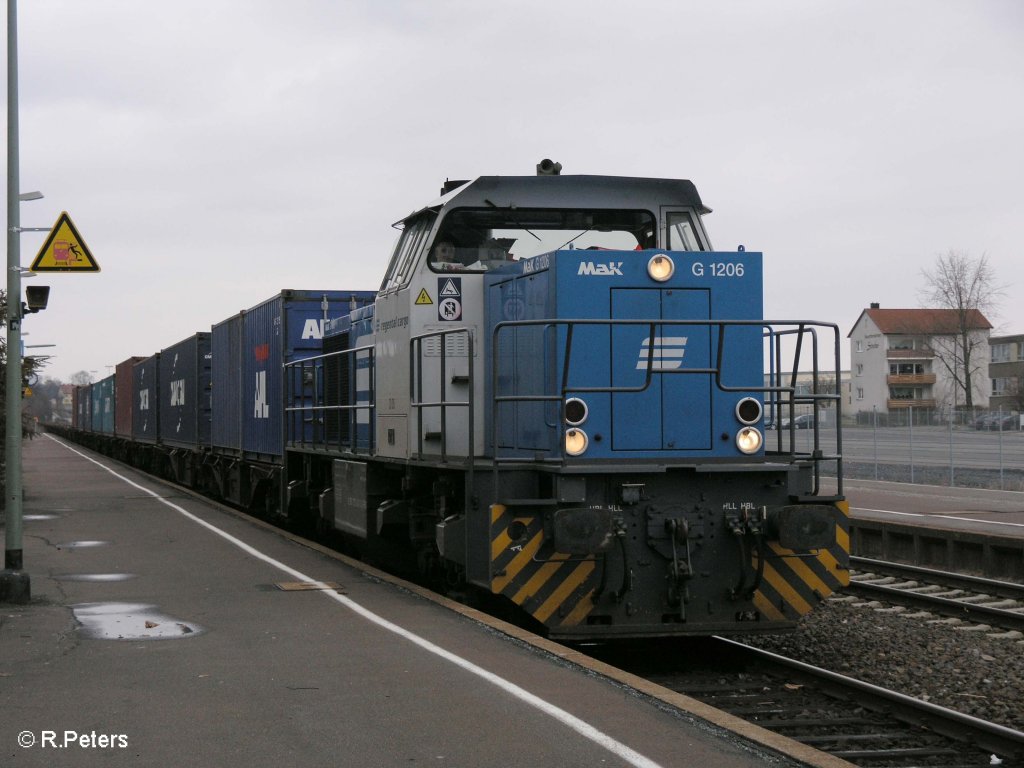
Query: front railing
{"x": 328, "y": 407}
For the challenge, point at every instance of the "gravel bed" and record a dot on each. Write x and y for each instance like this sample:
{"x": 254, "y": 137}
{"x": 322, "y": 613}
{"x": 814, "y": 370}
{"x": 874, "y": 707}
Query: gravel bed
{"x": 970, "y": 671}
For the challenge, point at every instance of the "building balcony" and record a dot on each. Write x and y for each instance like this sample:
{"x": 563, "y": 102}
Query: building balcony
{"x": 894, "y": 404}
{"x": 909, "y": 354}
{"x": 911, "y": 378}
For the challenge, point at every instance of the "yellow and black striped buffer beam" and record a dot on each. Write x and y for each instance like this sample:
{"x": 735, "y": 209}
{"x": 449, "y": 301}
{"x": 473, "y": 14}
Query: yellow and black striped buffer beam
{"x": 555, "y": 588}
{"x": 793, "y": 583}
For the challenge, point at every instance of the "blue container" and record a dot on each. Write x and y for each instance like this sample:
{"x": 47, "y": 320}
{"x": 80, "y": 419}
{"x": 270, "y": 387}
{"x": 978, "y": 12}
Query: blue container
{"x": 103, "y": 406}
{"x": 282, "y": 329}
{"x": 146, "y": 397}
{"x": 226, "y": 343}
{"x": 83, "y": 411}
{"x": 185, "y": 381}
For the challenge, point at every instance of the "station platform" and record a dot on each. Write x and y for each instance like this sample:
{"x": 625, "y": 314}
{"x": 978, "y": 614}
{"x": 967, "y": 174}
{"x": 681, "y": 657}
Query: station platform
{"x": 164, "y": 629}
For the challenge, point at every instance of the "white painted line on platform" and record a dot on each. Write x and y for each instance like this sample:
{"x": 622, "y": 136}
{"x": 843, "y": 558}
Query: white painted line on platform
{"x": 937, "y": 517}
{"x": 583, "y": 728}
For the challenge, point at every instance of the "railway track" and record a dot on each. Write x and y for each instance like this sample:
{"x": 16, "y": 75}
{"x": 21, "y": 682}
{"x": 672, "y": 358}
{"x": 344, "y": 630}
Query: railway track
{"x": 858, "y": 722}
{"x": 968, "y": 598}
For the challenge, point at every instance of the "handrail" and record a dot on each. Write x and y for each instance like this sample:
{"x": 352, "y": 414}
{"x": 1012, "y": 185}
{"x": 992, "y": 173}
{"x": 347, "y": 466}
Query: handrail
{"x": 295, "y": 382}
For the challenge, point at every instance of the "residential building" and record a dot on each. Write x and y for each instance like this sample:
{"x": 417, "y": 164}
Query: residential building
{"x": 902, "y": 358}
{"x": 1006, "y": 372}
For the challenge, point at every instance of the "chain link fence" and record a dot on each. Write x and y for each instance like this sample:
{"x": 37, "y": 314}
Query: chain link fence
{"x": 979, "y": 449}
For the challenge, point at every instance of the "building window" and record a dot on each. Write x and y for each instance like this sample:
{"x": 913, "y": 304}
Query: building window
{"x": 1000, "y": 353}
{"x": 860, "y": 393}
{"x": 860, "y": 369}
{"x": 1020, "y": 350}
{"x": 860, "y": 346}
{"x": 901, "y": 343}
{"x": 1004, "y": 385}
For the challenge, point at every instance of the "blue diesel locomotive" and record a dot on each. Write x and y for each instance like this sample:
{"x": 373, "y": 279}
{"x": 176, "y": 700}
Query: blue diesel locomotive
{"x": 562, "y": 397}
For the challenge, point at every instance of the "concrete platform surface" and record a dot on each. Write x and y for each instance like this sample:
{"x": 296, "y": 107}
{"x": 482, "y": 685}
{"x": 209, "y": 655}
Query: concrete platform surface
{"x": 159, "y": 634}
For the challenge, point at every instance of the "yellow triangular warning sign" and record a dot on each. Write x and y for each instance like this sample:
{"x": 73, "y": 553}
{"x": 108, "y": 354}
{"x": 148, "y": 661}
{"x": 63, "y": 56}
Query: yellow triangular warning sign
{"x": 424, "y": 297}
{"x": 64, "y": 250}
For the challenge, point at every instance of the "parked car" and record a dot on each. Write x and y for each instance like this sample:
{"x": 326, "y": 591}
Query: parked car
{"x": 1004, "y": 422}
{"x": 983, "y": 421}
{"x": 999, "y": 421}
{"x": 803, "y": 421}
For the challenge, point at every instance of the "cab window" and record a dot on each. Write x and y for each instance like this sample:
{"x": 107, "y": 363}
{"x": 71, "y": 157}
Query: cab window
{"x": 407, "y": 252}
{"x": 681, "y": 234}
{"x": 473, "y": 240}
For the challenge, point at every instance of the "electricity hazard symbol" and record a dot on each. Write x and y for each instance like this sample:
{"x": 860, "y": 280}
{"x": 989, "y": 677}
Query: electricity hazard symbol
{"x": 424, "y": 297}
{"x": 449, "y": 298}
{"x": 64, "y": 250}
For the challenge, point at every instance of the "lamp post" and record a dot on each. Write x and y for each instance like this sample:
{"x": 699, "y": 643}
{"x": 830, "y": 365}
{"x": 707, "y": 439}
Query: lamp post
{"x": 14, "y": 582}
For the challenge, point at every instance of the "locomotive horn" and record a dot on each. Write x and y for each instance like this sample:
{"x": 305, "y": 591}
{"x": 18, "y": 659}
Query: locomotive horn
{"x": 548, "y": 168}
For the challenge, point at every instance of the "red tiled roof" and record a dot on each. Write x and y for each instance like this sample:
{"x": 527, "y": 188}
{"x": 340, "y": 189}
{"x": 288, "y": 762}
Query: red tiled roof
{"x": 931, "y": 322}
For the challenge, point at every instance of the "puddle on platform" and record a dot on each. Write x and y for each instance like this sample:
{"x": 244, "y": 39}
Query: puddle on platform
{"x": 102, "y": 577}
{"x": 26, "y": 518}
{"x": 81, "y": 544}
{"x": 130, "y": 621}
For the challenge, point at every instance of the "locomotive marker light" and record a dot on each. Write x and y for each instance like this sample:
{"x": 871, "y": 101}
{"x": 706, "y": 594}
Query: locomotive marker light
{"x": 749, "y": 440}
{"x": 748, "y": 410}
{"x": 660, "y": 267}
{"x": 576, "y": 441}
{"x": 576, "y": 411}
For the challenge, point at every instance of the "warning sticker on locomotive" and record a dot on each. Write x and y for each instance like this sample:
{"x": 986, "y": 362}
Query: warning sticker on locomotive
{"x": 449, "y": 294}
{"x": 423, "y": 298}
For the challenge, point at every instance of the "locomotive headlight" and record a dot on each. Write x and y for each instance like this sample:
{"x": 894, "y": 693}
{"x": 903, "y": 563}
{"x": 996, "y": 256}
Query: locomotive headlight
{"x": 575, "y": 411}
{"x": 660, "y": 267}
{"x": 749, "y": 440}
{"x": 748, "y": 410}
{"x": 575, "y": 441}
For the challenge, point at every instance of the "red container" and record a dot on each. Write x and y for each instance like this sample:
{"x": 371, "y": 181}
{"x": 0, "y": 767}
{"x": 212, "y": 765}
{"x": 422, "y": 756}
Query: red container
{"x": 123, "y": 396}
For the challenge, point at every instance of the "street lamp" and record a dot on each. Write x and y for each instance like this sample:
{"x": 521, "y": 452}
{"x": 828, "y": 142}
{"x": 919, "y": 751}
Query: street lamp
{"x": 14, "y": 581}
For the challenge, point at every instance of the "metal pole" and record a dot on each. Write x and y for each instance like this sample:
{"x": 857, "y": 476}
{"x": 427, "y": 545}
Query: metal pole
{"x": 910, "y": 422}
{"x": 1000, "y": 447}
{"x": 874, "y": 435}
{"x": 951, "y": 480}
{"x": 14, "y": 583}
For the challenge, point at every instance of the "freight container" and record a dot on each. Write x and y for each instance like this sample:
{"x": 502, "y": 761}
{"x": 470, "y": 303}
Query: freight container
{"x": 184, "y": 392}
{"x": 103, "y": 406}
{"x": 123, "y": 400}
{"x": 226, "y": 343}
{"x": 83, "y": 408}
{"x": 145, "y": 392}
{"x": 282, "y": 329}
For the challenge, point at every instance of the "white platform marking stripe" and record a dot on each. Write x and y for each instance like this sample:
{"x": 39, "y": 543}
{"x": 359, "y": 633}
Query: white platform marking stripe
{"x": 583, "y": 728}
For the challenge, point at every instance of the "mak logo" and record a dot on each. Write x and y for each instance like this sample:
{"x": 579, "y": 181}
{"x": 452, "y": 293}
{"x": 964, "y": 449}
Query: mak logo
{"x": 611, "y": 268}
{"x": 666, "y": 355}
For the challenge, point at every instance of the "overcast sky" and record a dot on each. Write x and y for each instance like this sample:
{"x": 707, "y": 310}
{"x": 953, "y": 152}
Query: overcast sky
{"x": 214, "y": 152}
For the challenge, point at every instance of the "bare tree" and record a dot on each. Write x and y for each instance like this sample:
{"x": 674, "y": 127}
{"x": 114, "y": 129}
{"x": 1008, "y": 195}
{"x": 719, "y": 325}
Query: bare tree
{"x": 81, "y": 378}
{"x": 966, "y": 285}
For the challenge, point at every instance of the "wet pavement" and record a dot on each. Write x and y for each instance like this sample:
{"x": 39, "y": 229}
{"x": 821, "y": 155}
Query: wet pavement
{"x": 168, "y": 630}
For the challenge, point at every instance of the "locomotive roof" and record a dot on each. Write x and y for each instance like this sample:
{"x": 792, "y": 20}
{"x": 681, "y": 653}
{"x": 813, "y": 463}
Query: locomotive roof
{"x": 575, "y": 191}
